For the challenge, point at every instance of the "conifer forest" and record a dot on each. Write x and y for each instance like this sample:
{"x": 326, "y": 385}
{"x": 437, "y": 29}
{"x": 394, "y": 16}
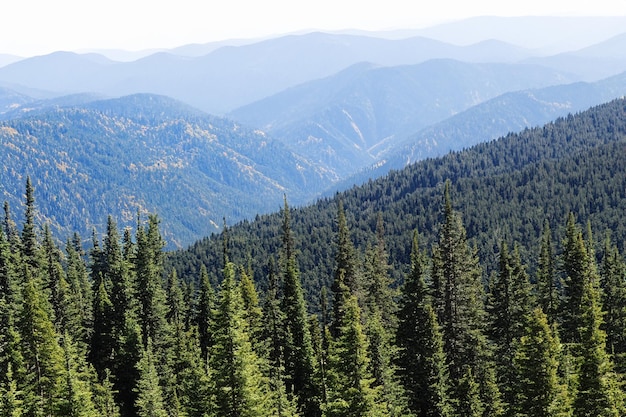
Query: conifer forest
{"x": 413, "y": 318}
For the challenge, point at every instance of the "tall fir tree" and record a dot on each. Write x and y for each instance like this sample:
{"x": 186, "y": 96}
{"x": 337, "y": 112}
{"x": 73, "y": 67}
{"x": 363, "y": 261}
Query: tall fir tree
{"x": 240, "y": 389}
{"x": 149, "y": 401}
{"x": 548, "y": 284}
{"x": 379, "y": 294}
{"x": 150, "y": 291}
{"x": 80, "y": 305}
{"x": 574, "y": 263}
{"x": 298, "y": 348}
{"x": 206, "y": 303}
{"x": 613, "y": 285}
{"x": 510, "y": 301}
{"x": 421, "y": 358}
{"x": 350, "y": 392}
{"x": 78, "y": 401}
{"x": 459, "y": 303}
{"x": 347, "y": 279}
{"x": 43, "y": 356}
{"x": 598, "y": 393}
{"x": 537, "y": 388}
{"x": 29, "y": 242}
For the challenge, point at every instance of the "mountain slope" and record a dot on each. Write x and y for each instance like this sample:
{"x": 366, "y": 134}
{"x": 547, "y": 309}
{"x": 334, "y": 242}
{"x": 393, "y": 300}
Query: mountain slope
{"x": 147, "y": 153}
{"x": 346, "y": 121}
{"x": 505, "y": 190}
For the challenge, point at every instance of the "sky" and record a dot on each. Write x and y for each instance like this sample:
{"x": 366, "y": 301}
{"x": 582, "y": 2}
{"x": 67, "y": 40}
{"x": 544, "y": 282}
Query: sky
{"x": 37, "y": 27}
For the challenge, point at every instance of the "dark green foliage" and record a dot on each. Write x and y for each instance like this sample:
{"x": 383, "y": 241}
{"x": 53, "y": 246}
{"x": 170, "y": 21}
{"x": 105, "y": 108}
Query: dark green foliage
{"x": 349, "y": 382}
{"x": 299, "y": 357}
{"x": 347, "y": 280}
{"x": 547, "y": 282}
{"x": 510, "y": 301}
{"x": 537, "y": 387}
{"x": 239, "y": 386}
{"x": 149, "y": 401}
{"x": 421, "y": 360}
{"x": 574, "y": 263}
{"x": 598, "y": 393}
{"x": 151, "y": 345}
{"x": 613, "y": 285}
{"x": 206, "y": 301}
{"x": 43, "y": 356}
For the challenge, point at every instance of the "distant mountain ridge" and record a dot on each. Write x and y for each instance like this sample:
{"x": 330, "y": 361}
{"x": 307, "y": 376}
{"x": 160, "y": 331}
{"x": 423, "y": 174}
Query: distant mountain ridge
{"x": 349, "y": 120}
{"x": 233, "y": 76}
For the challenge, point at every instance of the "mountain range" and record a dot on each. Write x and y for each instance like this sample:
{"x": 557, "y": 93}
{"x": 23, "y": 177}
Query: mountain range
{"x": 207, "y": 133}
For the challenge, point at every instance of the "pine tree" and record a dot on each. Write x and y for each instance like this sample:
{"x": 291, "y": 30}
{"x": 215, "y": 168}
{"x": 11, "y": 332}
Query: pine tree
{"x": 80, "y": 295}
{"x": 547, "y": 285}
{"x": 379, "y": 294}
{"x": 253, "y": 314}
{"x": 54, "y": 281}
{"x": 11, "y": 403}
{"x": 43, "y": 356}
{"x": 79, "y": 396}
{"x": 458, "y": 301}
{"x": 613, "y": 285}
{"x": 346, "y": 278}
{"x": 298, "y": 348}
{"x": 125, "y": 371}
{"x": 598, "y": 392}
{"x": 149, "y": 393}
{"x": 469, "y": 401}
{"x": 103, "y": 397}
{"x": 150, "y": 292}
{"x": 206, "y": 303}
{"x": 574, "y": 263}
{"x": 421, "y": 359}
{"x": 240, "y": 389}
{"x": 510, "y": 302}
{"x": 103, "y": 339}
{"x": 350, "y": 392}
{"x": 30, "y": 245}
{"x": 537, "y": 387}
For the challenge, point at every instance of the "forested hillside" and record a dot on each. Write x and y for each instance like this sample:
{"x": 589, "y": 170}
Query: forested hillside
{"x": 487, "y": 283}
{"x": 147, "y": 153}
{"x": 505, "y": 189}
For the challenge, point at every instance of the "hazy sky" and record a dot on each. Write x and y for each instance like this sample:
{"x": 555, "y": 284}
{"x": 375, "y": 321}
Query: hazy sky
{"x": 35, "y": 27}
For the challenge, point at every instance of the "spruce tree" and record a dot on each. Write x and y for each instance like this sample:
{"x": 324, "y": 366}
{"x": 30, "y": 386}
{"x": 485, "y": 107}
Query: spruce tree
{"x": 149, "y": 393}
{"x": 510, "y": 301}
{"x": 29, "y": 243}
{"x": 459, "y": 295}
{"x": 613, "y": 285}
{"x": 347, "y": 280}
{"x": 298, "y": 348}
{"x": 240, "y": 389}
{"x": 598, "y": 393}
{"x": 103, "y": 339}
{"x": 574, "y": 263}
{"x": 79, "y": 396}
{"x": 421, "y": 359}
{"x": 11, "y": 403}
{"x": 379, "y": 293}
{"x": 537, "y": 387}
{"x": 206, "y": 303}
{"x": 350, "y": 392}
{"x": 150, "y": 292}
{"x": 43, "y": 356}
{"x": 80, "y": 296}
{"x": 548, "y": 289}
